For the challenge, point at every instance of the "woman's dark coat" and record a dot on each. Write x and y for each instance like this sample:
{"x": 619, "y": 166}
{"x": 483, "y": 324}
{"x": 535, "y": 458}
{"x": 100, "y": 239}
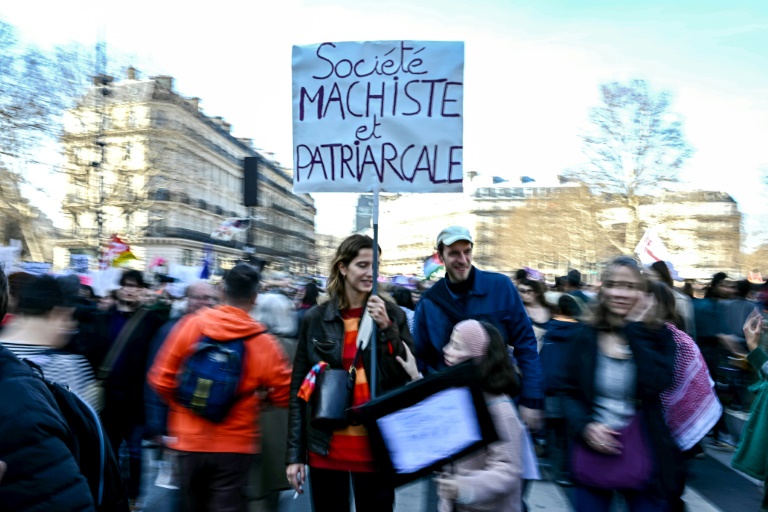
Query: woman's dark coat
{"x": 654, "y": 354}
{"x": 321, "y": 338}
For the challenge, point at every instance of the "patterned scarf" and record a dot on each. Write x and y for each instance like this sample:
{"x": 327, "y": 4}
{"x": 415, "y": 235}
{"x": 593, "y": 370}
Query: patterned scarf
{"x": 308, "y": 386}
{"x": 690, "y": 405}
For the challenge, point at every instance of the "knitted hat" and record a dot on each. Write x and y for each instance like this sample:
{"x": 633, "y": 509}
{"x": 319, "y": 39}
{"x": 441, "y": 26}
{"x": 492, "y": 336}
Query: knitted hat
{"x": 474, "y": 337}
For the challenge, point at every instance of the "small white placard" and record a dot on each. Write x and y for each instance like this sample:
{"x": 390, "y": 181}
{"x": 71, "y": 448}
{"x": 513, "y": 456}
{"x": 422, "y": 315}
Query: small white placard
{"x": 432, "y": 430}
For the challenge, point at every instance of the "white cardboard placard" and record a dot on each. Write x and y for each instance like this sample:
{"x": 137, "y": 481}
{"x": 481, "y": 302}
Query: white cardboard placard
{"x": 378, "y": 115}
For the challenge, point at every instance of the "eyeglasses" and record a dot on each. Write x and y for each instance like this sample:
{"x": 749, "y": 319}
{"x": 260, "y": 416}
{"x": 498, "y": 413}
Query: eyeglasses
{"x": 525, "y": 292}
{"x": 622, "y": 285}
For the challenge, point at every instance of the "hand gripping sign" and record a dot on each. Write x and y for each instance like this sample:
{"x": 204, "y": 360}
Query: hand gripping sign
{"x": 379, "y": 115}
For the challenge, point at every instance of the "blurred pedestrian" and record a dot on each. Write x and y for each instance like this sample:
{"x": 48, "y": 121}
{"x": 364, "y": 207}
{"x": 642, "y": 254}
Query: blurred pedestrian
{"x": 215, "y": 458}
{"x": 199, "y": 295}
{"x": 751, "y": 456}
{"x": 555, "y": 350}
{"x": 573, "y": 286}
{"x": 16, "y": 281}
{"x": 520, "y": 274}
{"x": 532, "y": 294}
{"x": 489, "y": 479}
{"x": 683, "y": 303}
{"x": 404, "y": 299}
{"x": 329, "y": 335}
{"x": 691, "y": 407}
{"x": 40, "y": 333}
{"x": 38, "y": 470}
{"x": 308, "y": 301}
{"x": 717, "y": 347}
{"x": 737, "y": 310}
{"x": 277, "y": 313}
{"x": 619, "y": 366}
{"x": 128, "y": 333}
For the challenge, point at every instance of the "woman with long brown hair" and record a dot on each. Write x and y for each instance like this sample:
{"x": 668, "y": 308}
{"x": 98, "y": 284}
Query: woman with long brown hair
{"x": 329, "y": 334}
{"x": 620, "y": 364}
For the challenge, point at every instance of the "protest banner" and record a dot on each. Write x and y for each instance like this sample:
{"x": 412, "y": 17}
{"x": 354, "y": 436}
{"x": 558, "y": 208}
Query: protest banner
{"x": 79, "y": 263}
{"x": 417, "y": 429}
{"x": 378, "y": 116}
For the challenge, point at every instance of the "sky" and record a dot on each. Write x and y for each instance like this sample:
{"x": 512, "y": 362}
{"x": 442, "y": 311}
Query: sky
{"x": 532, "y": 72}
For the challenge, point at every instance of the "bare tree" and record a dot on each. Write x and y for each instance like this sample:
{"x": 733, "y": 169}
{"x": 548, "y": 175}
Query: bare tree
{"x": 634, "y": 146}
{"x": 553, "y": 232}
{"x": 36, "y": 88}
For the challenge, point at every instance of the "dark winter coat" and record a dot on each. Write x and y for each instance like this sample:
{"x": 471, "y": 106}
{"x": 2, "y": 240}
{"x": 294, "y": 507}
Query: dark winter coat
{"x": 321, "y": 338}
{"x": 492, "y": 298}
{"x": 555, "y": 351}
{"x": 156, "y": 408}
{"x": 654, "y": 354}
{"x": 42, "y": 475}
{"x": 125, "y": 386}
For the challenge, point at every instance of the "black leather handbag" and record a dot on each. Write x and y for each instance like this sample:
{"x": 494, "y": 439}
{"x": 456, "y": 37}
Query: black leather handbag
{"x": 333, "y": 397}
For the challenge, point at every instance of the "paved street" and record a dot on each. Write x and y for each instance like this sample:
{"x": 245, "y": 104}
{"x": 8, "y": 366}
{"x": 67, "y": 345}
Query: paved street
{"x": 713, "y": 486}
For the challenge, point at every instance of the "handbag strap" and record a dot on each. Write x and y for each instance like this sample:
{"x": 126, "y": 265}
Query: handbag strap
{"x": 105, "y": 369}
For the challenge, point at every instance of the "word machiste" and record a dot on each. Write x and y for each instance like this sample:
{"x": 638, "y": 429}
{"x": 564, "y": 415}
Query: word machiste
{"x": 358, "y": 99}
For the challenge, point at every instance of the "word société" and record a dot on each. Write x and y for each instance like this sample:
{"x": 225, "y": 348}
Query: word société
{"x": 383, "y": 94}
{"x": 343, "y": 68}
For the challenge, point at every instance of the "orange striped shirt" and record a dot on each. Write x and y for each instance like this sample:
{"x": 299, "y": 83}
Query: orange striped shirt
{"x": 349, "y": 449}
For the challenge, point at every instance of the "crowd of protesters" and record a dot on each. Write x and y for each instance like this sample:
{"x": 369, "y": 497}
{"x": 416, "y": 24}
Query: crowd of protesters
{"x": 616, "y": 387}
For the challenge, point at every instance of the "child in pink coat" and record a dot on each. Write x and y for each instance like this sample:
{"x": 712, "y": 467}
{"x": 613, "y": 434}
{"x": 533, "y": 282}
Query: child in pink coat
{"x": 490, "y": 479}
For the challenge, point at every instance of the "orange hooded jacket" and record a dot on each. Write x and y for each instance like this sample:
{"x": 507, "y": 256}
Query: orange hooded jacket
{"x": 265, "y": 367}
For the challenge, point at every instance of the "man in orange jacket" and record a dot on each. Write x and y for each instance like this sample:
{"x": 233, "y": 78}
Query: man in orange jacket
{"x": 215, "y": 458}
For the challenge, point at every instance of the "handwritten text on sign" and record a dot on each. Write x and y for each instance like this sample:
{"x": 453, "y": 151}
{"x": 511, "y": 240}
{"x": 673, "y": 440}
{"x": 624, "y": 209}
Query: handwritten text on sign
{"x": 385, "y": 114}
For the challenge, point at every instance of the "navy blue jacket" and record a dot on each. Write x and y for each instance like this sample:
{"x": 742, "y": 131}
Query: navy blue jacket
{"x": 492, "y": 298}
{"x": 555, "y": 351}
{"x": 42, "y": 474}
{"x": 156, "y": 408}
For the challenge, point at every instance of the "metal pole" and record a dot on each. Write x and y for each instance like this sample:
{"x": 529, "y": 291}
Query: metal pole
{"x": 374, "y": 331}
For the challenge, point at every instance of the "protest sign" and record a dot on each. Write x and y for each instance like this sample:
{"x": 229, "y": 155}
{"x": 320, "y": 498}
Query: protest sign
{"x": 38, "y": 268}
{"x": 418, "y": 428}
{"x": 79, "y": 263}
{"x": 378, "y": 116}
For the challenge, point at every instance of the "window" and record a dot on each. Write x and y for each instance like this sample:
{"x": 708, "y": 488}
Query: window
{"x": 187, "y": 257}
{"x": 128, "y": 148}
{"x": 131, "y": 119}
{"x": 160, "y": 119}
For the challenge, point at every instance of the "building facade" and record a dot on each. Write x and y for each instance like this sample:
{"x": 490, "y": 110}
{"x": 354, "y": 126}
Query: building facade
{"x": 553, "y": 227}
{"x": 145, "y": 163}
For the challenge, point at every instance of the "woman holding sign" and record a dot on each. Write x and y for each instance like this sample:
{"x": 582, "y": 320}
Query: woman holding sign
{"x": 336, "y": 336}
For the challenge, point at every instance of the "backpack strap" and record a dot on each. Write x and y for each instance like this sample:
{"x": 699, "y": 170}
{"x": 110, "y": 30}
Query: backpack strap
{"x": 242, "y": 339}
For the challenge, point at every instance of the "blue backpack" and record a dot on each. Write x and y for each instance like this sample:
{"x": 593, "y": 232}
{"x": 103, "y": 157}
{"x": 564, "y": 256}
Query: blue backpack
{"x": 211, "y": 376}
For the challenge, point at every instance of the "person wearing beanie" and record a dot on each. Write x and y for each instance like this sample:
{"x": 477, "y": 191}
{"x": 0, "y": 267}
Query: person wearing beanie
{"x": 489, "y": 479}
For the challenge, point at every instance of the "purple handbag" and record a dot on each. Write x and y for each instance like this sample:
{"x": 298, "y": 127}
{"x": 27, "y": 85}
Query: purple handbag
{"x": 629, "y": 471}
